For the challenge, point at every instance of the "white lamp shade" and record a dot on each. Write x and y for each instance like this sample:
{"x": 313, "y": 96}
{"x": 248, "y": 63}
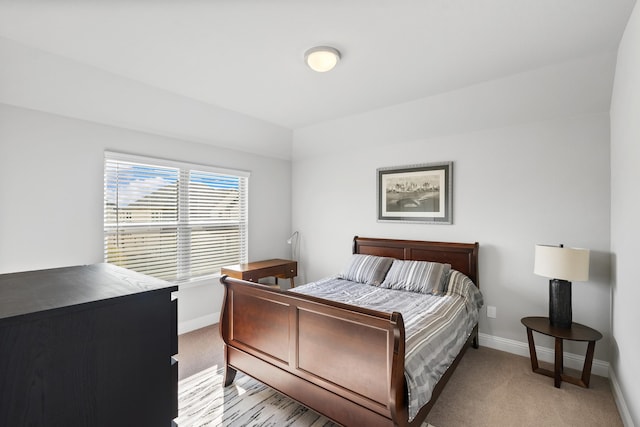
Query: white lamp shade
{"x": 571, "y": 264}
{"x": 322, "y": 58}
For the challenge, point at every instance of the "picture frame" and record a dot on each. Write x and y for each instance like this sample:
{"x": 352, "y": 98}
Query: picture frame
{"x": 421, "y": 193}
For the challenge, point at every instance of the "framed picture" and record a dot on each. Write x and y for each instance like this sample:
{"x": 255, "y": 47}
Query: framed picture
{"x": 416, "y": 193}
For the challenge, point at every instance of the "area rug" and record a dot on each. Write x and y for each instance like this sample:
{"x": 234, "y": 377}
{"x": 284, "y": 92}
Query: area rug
{"x": 202, "y": 401}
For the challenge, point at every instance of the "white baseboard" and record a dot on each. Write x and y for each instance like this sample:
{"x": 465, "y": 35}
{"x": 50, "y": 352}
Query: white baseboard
{"x": 573, "y": 361}
{"x": 197, "y": 323}
{"x": 623, "y": 409}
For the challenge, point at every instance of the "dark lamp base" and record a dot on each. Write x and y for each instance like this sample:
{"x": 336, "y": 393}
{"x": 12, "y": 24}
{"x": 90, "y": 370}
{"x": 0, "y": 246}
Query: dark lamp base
{"x": 560, "y": 303}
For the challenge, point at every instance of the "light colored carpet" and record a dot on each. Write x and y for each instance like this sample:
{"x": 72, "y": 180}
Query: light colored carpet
{"x": 202, "y": 401}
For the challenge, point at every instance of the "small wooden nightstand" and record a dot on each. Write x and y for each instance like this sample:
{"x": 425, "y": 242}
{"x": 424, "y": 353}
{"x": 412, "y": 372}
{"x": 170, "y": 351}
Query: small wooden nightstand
{"x": 576, "y": 332}
{"x": 254, "y": 271}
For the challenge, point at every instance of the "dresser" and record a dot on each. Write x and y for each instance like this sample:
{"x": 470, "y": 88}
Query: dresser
{"x": 87, "y": 346}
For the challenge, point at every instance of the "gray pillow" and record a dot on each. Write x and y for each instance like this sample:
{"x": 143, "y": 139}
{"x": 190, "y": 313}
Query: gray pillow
{"x": 417, "y": 276}
{"x": 367, "y": 269}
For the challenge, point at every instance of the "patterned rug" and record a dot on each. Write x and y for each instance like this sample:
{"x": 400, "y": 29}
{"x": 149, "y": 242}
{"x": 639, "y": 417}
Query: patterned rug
{"x": 202, "y": 401}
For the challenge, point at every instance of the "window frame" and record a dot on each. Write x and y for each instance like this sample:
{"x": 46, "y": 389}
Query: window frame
{"x": 182, "y": 224}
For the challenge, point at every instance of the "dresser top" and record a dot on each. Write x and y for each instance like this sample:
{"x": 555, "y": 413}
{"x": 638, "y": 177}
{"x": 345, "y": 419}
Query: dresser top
{"x": 38, "y": 291}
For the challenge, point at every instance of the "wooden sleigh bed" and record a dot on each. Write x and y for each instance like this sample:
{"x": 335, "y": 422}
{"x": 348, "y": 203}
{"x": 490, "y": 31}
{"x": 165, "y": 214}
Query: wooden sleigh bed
{"x": 342, "y": 361}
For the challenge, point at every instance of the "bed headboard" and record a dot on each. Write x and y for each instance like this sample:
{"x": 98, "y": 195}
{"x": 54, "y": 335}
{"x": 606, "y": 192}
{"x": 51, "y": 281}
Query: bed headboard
{"x": 462, "y": 256}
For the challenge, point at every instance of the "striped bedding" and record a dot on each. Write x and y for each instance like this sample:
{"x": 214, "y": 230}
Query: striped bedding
{"x": 436, "y": 327}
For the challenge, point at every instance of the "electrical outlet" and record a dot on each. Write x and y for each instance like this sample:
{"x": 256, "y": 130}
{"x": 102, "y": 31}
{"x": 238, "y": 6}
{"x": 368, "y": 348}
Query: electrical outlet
{"x": 491, "y": 311}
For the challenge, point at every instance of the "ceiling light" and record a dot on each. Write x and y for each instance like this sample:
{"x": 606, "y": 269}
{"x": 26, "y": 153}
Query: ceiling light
{"x": 322, "y": 58}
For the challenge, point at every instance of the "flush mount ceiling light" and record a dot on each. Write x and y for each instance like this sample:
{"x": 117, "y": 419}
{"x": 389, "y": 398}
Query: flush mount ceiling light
{"x": 322, "y": 58}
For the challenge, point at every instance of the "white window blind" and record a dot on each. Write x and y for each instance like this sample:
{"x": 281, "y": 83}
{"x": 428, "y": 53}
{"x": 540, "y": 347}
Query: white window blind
{"x": 172, "y": 220}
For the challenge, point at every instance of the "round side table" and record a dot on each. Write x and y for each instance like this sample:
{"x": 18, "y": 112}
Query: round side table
{"x": 576, "y": 332}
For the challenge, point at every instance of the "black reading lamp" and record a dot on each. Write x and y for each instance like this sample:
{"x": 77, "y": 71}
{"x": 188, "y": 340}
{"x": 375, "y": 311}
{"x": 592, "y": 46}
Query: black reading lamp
{"x": 562, "y": 265}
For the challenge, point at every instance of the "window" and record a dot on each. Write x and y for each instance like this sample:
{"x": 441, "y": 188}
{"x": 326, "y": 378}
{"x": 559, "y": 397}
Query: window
{"x": 171, "y": 220}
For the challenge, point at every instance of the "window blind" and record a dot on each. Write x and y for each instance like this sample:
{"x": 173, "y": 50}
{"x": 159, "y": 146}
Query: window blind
{"x": 172, "y": 220}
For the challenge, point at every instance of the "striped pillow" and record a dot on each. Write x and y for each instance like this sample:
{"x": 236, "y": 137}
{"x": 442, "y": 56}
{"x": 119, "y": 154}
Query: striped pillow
{"x": 417, "y": 276}
{"x": 368, "y": 269}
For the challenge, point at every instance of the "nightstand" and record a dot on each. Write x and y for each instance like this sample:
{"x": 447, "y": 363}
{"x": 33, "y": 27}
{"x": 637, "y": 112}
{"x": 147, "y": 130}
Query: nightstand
{"x": 254, "y": 271}
{"x": 576, "y": 332}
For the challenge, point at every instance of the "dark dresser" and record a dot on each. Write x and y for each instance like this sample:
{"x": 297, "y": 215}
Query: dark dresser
{"x": 87, "y": 346}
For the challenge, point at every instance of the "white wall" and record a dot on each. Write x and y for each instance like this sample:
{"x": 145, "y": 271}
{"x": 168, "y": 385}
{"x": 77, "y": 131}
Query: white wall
{"x": 42, "y": 81}
{"x": 625, "y": 215}
{"x": 580, "y": 86}
{"x": 514, "y": 186}
{"x": 51, "y": 195}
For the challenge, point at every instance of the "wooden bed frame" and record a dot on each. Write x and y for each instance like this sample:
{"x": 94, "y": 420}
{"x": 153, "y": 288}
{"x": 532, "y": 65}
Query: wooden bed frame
{"x": 342, "y": 361}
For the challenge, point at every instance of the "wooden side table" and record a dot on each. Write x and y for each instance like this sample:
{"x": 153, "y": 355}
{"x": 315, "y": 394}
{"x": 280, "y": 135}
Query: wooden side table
{"x": 254, "y": 271}
{"x": 576, "y": 332}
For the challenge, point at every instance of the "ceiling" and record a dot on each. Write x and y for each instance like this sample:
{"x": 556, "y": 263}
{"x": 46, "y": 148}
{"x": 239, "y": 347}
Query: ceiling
{"x": 247, "y": 55}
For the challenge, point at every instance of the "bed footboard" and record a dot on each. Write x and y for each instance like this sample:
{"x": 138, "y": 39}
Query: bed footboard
{"x": 342, "y": 361}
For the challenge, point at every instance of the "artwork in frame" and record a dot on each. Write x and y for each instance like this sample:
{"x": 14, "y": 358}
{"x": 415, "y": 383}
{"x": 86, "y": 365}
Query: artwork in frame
{"x": 416, "y": 193}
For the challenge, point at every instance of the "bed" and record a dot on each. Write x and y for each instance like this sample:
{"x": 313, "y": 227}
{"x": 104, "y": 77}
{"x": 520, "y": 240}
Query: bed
{"x": 345, "y": 361}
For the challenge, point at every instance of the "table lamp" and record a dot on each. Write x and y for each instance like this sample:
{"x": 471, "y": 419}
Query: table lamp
{"x": 562, "y": 265}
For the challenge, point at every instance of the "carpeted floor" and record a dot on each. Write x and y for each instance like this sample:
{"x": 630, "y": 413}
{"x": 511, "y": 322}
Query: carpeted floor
{"x": 490, "y": 388}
